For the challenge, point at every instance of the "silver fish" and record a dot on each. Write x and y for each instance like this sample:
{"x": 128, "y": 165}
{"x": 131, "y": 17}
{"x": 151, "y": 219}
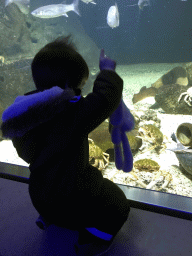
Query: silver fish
{"x": 113, "y": 16}
{"x": 56, "y": 10}
{"x": 22, "y": 4}
{"x": 88, "y": 1}
{"x": 141, "y": 4}
{"x": 184, "y": 155}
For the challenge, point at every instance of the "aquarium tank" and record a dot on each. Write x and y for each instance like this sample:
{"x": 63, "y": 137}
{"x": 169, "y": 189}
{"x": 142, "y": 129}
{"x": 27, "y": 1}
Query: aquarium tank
{"x": 151, "y": 42}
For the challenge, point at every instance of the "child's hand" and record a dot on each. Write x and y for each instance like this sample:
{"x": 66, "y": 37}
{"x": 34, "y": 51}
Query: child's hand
{"x": 105, "y": 62}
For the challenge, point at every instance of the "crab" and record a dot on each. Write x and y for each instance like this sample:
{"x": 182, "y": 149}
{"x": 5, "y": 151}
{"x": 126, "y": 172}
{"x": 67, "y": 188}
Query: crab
{"x": 150, "y": 133}
{"x": 101, "y": 159}
{"x": 160, "y": 176}
{"x": 151, "y": 166}
{"x": 188, "y": 96}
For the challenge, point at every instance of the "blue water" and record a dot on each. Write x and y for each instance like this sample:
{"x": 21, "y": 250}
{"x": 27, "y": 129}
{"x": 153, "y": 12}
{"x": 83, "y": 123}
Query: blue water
{"x": 161, "y": 32}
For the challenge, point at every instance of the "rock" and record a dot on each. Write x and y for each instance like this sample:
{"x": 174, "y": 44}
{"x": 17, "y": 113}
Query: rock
{"x": 177, "y": 75}
{"x": 144, "y": 93}
{"x": 188, "y": 67}
{"x": 15, "y": 34}
{"x": 167, "y": 97}
{"x": 15, "y": 79}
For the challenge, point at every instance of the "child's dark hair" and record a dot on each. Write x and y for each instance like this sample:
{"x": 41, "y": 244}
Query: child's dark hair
{"x": 58, "y": 63}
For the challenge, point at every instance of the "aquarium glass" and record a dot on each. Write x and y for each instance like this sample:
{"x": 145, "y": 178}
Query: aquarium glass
{"x": 151, "y": 41}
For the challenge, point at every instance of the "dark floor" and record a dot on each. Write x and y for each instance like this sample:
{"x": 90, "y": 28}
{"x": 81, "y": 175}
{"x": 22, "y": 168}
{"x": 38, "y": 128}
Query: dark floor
{"x": 144, "y": 233}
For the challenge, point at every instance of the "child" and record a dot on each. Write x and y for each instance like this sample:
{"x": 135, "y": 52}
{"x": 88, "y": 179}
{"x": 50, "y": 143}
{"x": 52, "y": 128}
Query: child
{"x": 49, "y": 128}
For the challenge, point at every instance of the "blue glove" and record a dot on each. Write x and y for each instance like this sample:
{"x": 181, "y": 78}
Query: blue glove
{"x": 122, "y": 121}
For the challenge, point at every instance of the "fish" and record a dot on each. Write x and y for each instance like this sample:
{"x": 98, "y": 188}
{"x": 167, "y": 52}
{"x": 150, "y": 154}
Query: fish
{"x": 183, "y": 154}
{"x": 22, "y": 4}
{"x": 142, "y": 3}
{"x": 113, "y": 16}
{"x": 88, "y": 1}
{"x": 56, "y": 10}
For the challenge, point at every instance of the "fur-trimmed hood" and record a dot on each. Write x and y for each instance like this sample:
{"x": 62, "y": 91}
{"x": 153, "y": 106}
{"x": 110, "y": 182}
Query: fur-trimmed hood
{"x": 28, "y": 111}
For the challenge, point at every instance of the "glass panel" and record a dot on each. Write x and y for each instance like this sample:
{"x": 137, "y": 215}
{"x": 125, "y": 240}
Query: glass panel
{"x": 150, "y": 41}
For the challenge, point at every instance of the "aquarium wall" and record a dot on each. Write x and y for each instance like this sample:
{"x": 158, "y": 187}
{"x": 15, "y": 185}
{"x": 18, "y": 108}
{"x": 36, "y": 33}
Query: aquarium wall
{"x": 151, "y": 43}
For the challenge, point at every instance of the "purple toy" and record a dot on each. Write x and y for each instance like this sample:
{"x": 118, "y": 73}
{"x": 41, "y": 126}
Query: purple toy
{"x": 122, "y": 121}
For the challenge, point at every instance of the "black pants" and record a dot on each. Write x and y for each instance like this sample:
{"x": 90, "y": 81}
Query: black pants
{"x": 107, "y": 212}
